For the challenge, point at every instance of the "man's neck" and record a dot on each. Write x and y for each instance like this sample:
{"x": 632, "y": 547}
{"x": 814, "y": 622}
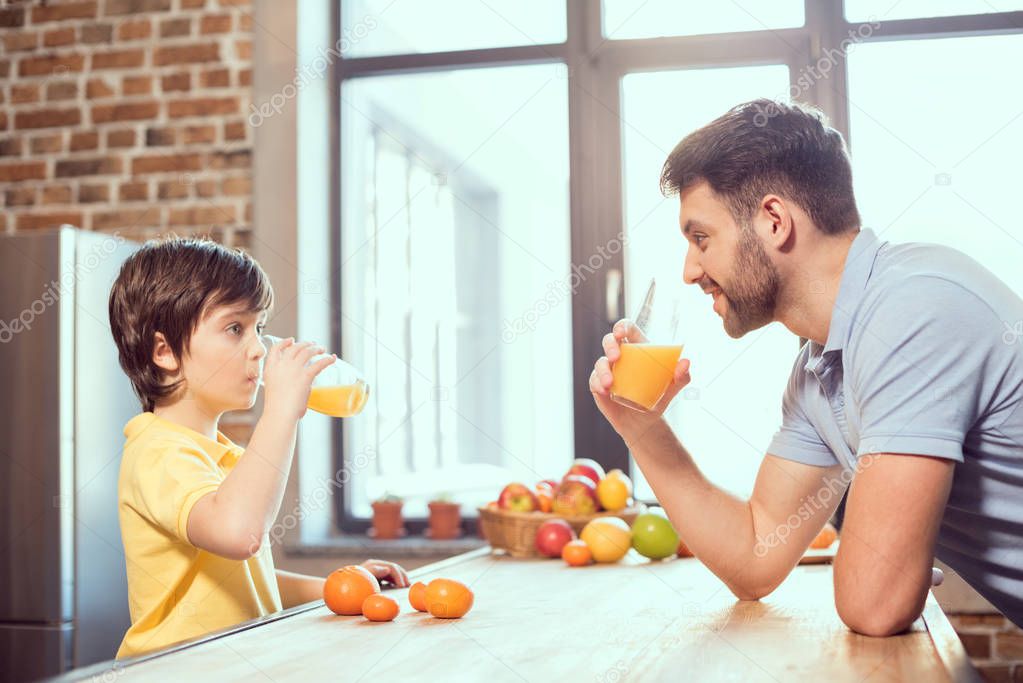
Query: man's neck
{"x": 190, "y": 413}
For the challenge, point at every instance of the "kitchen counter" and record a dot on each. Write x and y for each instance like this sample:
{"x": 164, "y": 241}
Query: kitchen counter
{"x": 540, "y": 620}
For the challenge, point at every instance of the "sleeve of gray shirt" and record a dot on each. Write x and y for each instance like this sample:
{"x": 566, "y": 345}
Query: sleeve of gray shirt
{"x": 798, "y": 439}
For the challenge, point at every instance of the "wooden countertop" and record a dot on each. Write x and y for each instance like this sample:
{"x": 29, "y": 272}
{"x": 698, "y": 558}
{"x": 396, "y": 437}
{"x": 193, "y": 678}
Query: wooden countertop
{"x": 540, "y": 620}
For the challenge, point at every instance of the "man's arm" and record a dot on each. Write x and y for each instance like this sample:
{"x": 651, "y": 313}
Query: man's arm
{"x": 298, "y": 589}
{"x": 892, "y": 516}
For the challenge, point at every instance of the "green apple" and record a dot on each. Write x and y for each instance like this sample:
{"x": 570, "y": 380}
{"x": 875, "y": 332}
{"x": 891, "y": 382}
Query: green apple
{"x": 653, "y": 536}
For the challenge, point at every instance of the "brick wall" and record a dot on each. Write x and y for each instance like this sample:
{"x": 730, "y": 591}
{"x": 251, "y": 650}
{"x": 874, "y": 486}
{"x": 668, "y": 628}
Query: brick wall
{"x": 994, "y": 644}
{"x": 127, "y": 116}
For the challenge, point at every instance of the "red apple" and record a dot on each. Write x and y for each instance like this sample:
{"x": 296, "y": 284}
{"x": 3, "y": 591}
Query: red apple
{"x": 517, "y": 497}
{"x": 576, "y": 495}
{"x": 587, "y": 468}
{"x": 552, "y": 536}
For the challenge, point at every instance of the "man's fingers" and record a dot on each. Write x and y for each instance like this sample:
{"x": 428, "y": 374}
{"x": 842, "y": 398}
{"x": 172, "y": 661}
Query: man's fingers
{"x": 626, "y": 329}
{"x": 604, "y": 376}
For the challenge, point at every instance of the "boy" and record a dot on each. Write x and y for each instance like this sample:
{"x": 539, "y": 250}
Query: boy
{"x": 195, "y": 509}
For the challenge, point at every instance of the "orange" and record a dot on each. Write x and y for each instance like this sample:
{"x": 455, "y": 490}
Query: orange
{"x": 577, "y": 553}
{"x": 417, "y": 596}
{"x": 825, "y": 538}
{"x": 379, "y": 608}
{"x": 448, "y": 599}
{"x": 347, "y": 588}
{"x": 609, "y": 538}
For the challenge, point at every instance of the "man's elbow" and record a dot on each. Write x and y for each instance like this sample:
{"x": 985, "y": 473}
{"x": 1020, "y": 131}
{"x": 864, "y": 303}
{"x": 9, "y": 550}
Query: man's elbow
{"x": 877, "y": 618}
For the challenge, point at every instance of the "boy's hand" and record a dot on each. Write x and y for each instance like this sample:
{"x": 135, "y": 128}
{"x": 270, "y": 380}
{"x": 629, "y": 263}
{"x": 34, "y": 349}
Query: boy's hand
{"x": 388, "y": 571}
{"x": 627, "y": 422}
{"x": 287, "y": 379}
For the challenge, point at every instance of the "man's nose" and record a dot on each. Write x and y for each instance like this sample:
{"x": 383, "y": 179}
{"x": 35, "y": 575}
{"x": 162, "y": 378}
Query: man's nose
{"x": 692, "y": 271}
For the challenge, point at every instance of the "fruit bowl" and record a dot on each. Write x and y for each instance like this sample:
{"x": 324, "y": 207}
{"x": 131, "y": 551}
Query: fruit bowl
{"x": 515, "y": 532}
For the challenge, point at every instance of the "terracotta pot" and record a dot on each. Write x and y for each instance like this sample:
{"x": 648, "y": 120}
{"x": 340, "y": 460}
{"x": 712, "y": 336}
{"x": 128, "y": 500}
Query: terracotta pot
{"x": 445, "y": 521}
{"x": 387, "y": 520}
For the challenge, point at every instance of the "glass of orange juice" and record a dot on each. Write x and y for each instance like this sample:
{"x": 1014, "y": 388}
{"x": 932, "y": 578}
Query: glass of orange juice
{"x": 339, "y": 390}
{"x": 645, "y": 369}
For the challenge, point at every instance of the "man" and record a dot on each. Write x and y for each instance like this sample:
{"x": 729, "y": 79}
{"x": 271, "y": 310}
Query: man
{"x": 908, "y": 385}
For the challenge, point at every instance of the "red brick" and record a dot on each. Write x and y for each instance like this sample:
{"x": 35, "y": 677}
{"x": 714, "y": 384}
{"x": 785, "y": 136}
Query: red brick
{"x": 34, "y": 220}
{"x": 193, "y": 4}
{"x": 245, "y": 77}
{"x": 62, "y": 36}
{"x": 243, "y": 48}
{"x": 160, "y": 137}
{"x": 175, "y": 28}
{"x": 172, "y": 189}
{"x": 118, "y": 7}
{"x": 118, "y": 59}
{"x": 163, "y": 163}
{"x": 186, "y": 54}
{"x": 136, "y": 111}
{"x": 135, "y": 191}
{"x": 125, "y": 218}
{"x": 5, "y": 68}
{"x": 245, "y": 23}
{"x": 91, "y": 194}
{"x": 50, "y": 65}
{"x": 978, "y": 645}
{"x": 20, "y": 196}
{"x": 138, "y": 29}
{"x": 22, "y": 170}
{"x": 92, "y": 34}
{"x": 236, "y": 187}
{"x": 97, "y": 88}
{"x": 83, "y": 141}
{"x": 61, "y": 90}
{"x": 3, "y": 120}
{"x": 47, "y": 118}
{"x": 198, "y": 135}
{"x": 55, "y": 194}
{"x": 137, "y": 85}
{"x": 69, "y": 10}
{"x": 248, "y": 212}
{"x": 238, "y": 159}
{"x": 71, "y": 168}
{"x": 235, "y": 130}
{"x": 22, "y": 93}
{"x": 10, "y": 147}
{"x": 12, "y": 17}
{"x": 1009, "y": 645}
{"x": 202, "y": 215}
{"x": 995, "y": 673}
{"x": 204, "y": 106}
{"x": 48, "y": 144}
{"x": 215, "y": 78}
{"x": 121, "y": 138}
{"x": 179, "y": 81}
{"x": 235, "y": 3}
{"x": 206, "y": 188}
{"x": 215, "y": 23}
{"x": 20, "y": 42}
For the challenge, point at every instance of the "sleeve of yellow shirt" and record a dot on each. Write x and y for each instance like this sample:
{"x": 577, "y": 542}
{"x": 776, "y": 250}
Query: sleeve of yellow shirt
{"x": 169, "y": 481}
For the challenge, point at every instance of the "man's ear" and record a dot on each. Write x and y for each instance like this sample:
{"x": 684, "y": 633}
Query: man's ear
{"x": 163, "y": 356}
{"x": 777, "y": 221}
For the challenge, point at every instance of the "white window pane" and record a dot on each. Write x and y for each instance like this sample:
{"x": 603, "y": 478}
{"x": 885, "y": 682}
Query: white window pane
{"x": 729, "y": 413}
{"x": 455, "y": 199}
{"x": 888, "y": 10}
{"x": 930, "y": 166}
{"x": 658, "y": 18}
{"x": 388, "y": 27}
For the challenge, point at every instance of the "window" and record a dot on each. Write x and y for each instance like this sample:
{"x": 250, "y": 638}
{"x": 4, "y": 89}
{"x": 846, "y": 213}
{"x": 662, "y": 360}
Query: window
{"x": 656, "y": 18}
{"x": 889, "y": 10}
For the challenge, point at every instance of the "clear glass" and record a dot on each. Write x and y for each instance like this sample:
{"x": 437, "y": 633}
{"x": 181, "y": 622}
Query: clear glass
{"x": 929, "y": 167}
{"x": 339, "y": 390}
{"x": 729, "y": 413}
{"x": 455, "y": 271}
{"x": 661, "y": 18}
{"x": 889, "y": 10}
{"x": 388, "y": 27}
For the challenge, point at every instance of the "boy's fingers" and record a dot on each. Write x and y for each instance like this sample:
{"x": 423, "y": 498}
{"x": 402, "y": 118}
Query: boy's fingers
{"x": 308, "y": 353}
{"x": 322, "y": 364}
{"x": 603, "y": 370}
{"x": 610, "y": 345}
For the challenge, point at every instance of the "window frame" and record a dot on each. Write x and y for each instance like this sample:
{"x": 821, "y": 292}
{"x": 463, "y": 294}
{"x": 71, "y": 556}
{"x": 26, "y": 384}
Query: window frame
{"x": 595, "y": 68}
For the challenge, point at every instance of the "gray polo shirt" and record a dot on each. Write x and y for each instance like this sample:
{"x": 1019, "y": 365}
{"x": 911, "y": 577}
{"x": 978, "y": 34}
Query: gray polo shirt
{"x": 925, "y": 357}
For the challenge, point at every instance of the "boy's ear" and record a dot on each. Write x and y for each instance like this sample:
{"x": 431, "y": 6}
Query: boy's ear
{"x": 163, "y": 356}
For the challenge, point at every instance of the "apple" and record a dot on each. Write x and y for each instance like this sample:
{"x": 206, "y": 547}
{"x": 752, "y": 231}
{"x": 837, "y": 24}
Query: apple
{"x": 587, "y": 468}
{"x": 545, "y": 495}
{"x": 552, "y": 536}
{"x": 653, "y": 536}
{"x": 576, "y": 495}
{"x": 517, "y": 497}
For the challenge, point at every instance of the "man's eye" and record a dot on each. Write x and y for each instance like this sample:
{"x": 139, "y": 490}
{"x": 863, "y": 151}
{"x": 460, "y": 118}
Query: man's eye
{"x": 699, "y": 239}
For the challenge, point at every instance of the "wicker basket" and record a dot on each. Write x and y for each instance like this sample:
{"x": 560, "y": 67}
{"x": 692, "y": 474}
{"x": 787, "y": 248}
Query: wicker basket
{"x": 515, "y": 532}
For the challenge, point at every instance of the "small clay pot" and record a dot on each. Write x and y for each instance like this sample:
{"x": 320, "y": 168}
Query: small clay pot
{"x": 387, "y": 520}
{"x": 445, "y": 520}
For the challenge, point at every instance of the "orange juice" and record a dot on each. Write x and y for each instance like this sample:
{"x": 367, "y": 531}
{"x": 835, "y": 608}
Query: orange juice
{"x": 339, "y": 401}
{"x": 643, "y": 373}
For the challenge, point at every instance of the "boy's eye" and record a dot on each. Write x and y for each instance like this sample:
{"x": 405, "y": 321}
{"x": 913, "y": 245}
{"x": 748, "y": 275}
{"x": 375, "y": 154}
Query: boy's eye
{"x": 234, "y": 328}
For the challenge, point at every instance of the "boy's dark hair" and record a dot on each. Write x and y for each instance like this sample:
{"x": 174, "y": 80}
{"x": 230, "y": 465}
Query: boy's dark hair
{"x": 763, "y": 147}
{"x": 168, "y": 286}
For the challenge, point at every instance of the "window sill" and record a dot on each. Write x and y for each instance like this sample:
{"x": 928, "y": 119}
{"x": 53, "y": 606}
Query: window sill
{"x": 410, "y": 546}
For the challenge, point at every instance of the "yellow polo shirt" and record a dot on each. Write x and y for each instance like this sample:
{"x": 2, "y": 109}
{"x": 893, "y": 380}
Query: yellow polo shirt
{"x": 175, "y": 590}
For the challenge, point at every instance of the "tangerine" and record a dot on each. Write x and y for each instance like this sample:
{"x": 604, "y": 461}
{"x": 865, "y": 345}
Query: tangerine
{"x": 347, "y": 588}
{"x": 448, "y": 599}
{"x": 417, "y": 596}
{"x": 577, "y": 553}
{"x": 379, "y": 608}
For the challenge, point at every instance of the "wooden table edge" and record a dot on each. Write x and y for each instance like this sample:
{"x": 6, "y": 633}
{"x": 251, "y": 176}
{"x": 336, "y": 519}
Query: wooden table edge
{"x": 948, "y": 644}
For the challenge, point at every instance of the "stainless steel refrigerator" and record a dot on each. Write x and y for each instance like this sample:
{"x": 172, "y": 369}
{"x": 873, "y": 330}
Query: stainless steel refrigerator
{"x": 63, "y": 405}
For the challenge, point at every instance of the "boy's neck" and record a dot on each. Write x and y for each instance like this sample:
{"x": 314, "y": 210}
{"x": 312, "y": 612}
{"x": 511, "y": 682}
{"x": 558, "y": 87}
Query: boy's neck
{"x": 189, "y": 413}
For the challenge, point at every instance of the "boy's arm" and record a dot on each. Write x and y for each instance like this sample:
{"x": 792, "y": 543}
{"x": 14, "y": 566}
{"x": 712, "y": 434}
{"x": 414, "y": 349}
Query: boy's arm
{"x": 298, "y": 589}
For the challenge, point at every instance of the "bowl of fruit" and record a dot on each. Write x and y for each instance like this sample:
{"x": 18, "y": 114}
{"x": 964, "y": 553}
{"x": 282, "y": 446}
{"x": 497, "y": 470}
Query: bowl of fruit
{"x": 583, "y": 494}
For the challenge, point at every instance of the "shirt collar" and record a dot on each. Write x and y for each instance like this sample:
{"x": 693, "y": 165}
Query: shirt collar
{"x": 223, "y": 450}
{"x": 859, "y": 263}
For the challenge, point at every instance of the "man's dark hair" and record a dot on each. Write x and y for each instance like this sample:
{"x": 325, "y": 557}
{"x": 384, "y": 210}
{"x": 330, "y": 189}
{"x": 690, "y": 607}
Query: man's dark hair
{"x": 168, "y": 286}
{"x": 762, "y": 147}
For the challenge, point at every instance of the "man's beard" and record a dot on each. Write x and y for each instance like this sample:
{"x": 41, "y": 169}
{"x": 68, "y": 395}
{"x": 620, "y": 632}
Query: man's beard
{"x": 753, "y": 294}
